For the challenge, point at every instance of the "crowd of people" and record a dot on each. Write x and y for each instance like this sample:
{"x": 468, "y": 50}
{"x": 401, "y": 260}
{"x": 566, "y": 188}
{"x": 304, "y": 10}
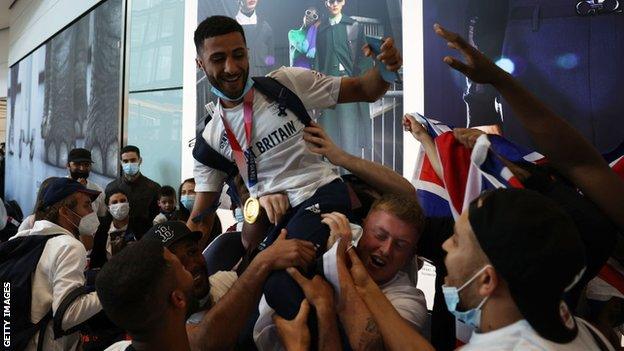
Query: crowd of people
{"x": 322, "y": 261}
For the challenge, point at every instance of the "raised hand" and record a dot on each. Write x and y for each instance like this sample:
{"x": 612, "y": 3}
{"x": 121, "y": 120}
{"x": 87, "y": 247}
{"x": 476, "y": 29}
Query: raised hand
{"x": 389, "y": 55}
{"x": 478, "y": 67}
{"x": 317, "y": 291}
{"x": 294, "y": 334}
{"x": 410, "y": 124}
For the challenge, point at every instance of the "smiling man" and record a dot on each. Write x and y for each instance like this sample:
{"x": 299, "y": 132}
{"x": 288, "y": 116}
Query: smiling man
{"x": 267, "y": 141}
{"x": 387, "y": 243}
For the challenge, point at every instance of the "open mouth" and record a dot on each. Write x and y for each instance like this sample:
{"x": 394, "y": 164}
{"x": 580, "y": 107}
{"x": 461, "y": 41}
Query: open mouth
{"x": 233, "y": 79}
{"x": 377, "y": 262}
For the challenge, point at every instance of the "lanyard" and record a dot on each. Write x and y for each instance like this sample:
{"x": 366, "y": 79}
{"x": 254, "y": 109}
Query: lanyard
{"x": 242, "y": 158}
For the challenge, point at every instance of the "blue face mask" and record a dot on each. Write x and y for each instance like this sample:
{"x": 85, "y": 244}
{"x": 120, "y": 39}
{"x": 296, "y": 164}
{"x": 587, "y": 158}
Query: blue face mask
{"x": 238, "y": 215}
{"x": 130, "y": 168}
{"x": 222, "y": 96}
{"x": 188, "y": 201}
{"x": 472, "y": 316}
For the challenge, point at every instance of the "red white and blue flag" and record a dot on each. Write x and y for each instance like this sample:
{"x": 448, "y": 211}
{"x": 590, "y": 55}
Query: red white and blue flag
{"x": 468, "y": 172}
{"x": 465, "y": 172}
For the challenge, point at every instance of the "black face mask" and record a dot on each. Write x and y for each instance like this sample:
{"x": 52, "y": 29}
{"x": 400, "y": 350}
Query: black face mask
{"x": 78, "y": 174}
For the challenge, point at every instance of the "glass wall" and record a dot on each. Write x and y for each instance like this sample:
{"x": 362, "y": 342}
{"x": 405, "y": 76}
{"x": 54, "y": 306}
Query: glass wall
{"x": 154, "y": 122}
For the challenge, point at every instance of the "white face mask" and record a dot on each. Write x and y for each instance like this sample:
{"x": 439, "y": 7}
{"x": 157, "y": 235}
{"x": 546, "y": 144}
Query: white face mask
{"x": 88, "y": 224}
{"x": 119, "y": 211}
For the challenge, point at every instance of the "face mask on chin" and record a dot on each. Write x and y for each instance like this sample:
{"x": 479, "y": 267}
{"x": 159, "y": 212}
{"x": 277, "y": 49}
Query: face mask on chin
{"x": 222, "y": 96}
{"x": 472, "y": 316}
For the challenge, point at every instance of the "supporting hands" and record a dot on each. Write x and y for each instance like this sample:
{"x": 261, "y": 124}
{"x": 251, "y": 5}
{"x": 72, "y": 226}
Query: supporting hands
{"x": 317, "y": 291}
{"x": 284, "y": 253}
{"x": 339, "y": 227}
{"x": 294, "y": 334}
{"x": 478, "y": 67}
{"x": 320, "y": 143}
{"x": 389, "y": 55}
{"x": 275, "y": 205}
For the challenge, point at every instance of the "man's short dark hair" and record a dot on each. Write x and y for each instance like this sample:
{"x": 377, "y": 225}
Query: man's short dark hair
{"x": 133, "y": 287}
{"x": 130, "y": 148}
{"x": 113, "y": 191}
{"x": 215, "y": 26}
{"x": 166, "y": 190}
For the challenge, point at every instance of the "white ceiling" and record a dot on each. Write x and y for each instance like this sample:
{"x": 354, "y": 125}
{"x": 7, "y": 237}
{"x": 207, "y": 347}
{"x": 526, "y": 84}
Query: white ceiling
{"x": 4, "y": 13}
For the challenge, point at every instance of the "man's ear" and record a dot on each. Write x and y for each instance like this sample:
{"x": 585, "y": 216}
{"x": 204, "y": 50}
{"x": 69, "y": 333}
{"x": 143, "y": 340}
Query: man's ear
{"x": 489, "y": 281}
{"x": 178, "y": 299}
{"x": 199, "y": 64}
{"x": 140, "y": 160}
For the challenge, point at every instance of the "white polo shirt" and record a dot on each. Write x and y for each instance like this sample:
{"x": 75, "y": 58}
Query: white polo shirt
{"x": 283, "y": 161}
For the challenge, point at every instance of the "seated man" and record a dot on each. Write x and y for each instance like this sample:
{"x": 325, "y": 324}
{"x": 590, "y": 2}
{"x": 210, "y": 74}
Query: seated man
{"x": 387, "y": 244}
{"x": 264, "y": 139}
{"x": 225, "y": 301}
{"x": 146, "y": 291}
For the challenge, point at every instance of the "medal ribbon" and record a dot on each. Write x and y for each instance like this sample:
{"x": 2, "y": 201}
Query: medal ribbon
{"x": 246, "y": 165}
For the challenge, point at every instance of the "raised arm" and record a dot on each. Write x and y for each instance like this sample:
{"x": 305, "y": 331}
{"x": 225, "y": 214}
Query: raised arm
{"x": 357, "y": 320}
{"x": 396, "y": 332}
{"x": 566, "y": 149}
{"x": 370, "y": 86}
{"x": 380, "y": 177}
{"x": 222, "y": 324}
{"x": 419, "y": 133}
{"x": 320, "y": 295}
{"x": 199, "y": 220}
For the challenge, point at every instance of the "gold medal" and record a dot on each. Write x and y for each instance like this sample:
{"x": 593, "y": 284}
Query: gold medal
{"x": 251, "y": 210}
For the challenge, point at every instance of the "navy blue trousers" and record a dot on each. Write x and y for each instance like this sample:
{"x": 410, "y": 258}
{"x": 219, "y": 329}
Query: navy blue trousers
{"x": 303, "y": 222}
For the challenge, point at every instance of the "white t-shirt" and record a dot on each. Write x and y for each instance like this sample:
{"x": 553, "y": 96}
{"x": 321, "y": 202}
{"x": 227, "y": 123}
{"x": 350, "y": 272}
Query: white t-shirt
{"x": 99, "y": 206}
{"x": 521, "y": 336}
{"x": 283, "y": 161}
{"x": 407, "y": 299}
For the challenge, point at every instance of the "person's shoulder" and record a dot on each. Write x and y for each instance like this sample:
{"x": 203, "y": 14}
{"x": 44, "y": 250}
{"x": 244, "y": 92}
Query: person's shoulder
{"x": 150, "y": 183}
{"x": 113, "y": 184}
{"x": 291, "y": 76}
{"x": 119, "y": 346}
{"x": 93, "y": 186}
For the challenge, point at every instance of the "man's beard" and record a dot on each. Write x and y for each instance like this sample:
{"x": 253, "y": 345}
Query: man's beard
{"x": 216, "y": 83}
{"x": 77, "y": 175}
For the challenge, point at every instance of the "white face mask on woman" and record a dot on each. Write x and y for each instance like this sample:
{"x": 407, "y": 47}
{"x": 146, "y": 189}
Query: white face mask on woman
{"x": 120, "y": 210}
